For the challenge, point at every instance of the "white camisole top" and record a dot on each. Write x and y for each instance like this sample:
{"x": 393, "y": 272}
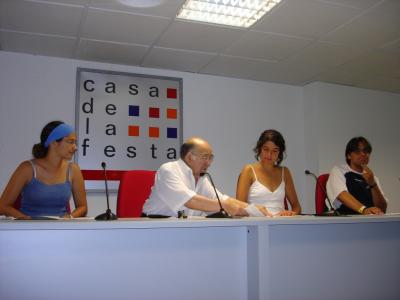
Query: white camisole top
{"x": 261, "y": 195}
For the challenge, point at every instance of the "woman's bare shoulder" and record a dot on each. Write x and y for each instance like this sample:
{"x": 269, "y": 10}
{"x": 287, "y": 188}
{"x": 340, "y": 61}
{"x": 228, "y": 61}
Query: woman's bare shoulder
{"x": 25, "y": 166}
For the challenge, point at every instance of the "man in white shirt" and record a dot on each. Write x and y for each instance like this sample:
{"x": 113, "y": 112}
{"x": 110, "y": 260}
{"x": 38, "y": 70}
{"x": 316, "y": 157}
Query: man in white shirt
{"x": 353, "y": 188}
{"x": 180, "y": 187}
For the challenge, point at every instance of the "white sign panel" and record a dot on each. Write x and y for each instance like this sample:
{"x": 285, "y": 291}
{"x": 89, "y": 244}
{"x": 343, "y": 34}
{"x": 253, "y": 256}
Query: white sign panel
{"x": 128, "y": 121}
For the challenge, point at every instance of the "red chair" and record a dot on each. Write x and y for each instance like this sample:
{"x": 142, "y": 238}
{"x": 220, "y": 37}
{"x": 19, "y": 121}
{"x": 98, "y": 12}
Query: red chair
{"x": 286, "y": 203}
{"x": 134, "y": 189}
{"x": 320, "y": 194}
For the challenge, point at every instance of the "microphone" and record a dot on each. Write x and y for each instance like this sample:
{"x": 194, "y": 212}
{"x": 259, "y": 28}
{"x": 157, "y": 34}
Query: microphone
{"x": 222, "y": 212}
{"x": 108, "y": 215}
{"x": 335, "y": 212}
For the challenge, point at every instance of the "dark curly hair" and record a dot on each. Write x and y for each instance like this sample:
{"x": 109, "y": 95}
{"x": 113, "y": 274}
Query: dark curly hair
{"x": 275, "y": 137}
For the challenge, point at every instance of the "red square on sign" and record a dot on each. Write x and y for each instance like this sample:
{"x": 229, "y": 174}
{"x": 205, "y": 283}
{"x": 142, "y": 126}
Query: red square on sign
{"x": 171, "y": 93}
{"x": 154, "y": 112}
{"x": 133, "y": 130}
{"x": 171, "y": 113}
{"x": 154, "y": 132}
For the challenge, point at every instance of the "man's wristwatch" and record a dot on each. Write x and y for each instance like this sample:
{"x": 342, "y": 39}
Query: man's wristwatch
{"x": 361, "y": 209}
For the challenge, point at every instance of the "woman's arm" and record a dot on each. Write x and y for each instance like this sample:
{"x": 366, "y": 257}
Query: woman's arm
{"x": 78, "y": 192}
{"x": 245, "y": 180}
{"x": 290, "y": 191}
{"x": 21, "y": 176}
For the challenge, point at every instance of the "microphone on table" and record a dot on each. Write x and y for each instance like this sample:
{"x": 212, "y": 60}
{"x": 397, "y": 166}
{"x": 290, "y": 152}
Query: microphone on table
{"x": 335, "y": 212}
{"x": 108, "y": 215}
{"x": 222, "y": 212}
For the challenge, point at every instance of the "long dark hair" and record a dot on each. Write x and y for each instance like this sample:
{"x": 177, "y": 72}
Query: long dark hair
{"x": 39, "y": 150}
{"x": 275, "y": 137}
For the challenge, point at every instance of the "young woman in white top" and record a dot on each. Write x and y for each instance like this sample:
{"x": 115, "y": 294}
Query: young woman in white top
{"x": 265, "y": 182}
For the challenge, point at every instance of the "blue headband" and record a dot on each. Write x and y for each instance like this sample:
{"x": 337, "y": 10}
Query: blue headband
{"x": 57, "y": 133}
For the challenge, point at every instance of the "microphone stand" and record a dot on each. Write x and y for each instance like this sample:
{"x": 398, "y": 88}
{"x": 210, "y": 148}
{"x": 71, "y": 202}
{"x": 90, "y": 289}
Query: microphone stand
{"x": 331, "y": 208}
{"x": 222, "y": 214}
{"x": 108, "y": 215}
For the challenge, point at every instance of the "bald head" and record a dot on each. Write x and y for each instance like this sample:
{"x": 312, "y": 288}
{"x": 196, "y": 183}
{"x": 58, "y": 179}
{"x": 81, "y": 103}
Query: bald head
{"x": 194, "y": 144}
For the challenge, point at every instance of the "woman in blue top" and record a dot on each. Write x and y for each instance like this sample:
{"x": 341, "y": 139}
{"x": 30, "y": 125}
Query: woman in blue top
{"x": 45, "y": 183}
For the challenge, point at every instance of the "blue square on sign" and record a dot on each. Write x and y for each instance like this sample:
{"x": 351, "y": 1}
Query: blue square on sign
{"x": 134, "y": 110}
{"x": 172, "y": 133}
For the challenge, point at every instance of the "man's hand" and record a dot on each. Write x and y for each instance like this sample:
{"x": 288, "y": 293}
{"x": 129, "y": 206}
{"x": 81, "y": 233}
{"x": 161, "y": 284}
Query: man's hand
{"x": 234, "y": 210}
{"x": 369, "y": 176}
{"x": 373, "y": 210}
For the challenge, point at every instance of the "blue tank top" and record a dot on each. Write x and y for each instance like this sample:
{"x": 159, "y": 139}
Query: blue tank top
{"x": 41, "y": 199}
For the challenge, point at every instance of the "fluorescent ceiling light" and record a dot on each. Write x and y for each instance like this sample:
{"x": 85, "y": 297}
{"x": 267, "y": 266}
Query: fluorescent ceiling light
{"x": 239, "y": 13}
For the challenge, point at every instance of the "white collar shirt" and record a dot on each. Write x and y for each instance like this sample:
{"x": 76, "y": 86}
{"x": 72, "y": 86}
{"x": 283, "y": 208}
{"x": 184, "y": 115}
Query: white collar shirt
{"x": 174, "y": 186}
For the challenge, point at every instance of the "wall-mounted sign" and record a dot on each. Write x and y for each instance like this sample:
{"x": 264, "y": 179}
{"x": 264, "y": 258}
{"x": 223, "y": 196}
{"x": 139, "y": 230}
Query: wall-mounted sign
{"x": 128, "y": 121}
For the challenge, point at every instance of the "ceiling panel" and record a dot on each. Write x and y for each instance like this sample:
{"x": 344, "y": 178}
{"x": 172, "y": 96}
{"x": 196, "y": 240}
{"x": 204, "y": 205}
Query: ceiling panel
{"x": 111, "y": 52}
{"x": 395, "y": 73}
{"x": 167, "y": 8}
{"x": 40, "y": 17}
{"x": 364, "y": 69}
{"x": 326, "y": 55}
{"x": 307, "y": 18}
{"x": 391, "y": 7}
{"x": 392, "y": 46}
{"x": 369, "y": 30}
{"x": 389, "y": 84}
{"x": 123, "y": 27}
{"x": 355, "y": 3}
{"x": 71, "y": 2}
{"x": 376, "y": 62}
{"x": 343, "y": 76}
{"x": 37, "y": 44}
{"x": 292, "y": 72}
{"x": 239, "y": 67}
{"x": 198, "y": 37}
{"x": 267, "y": 46}
{"x": 175, "y": 59}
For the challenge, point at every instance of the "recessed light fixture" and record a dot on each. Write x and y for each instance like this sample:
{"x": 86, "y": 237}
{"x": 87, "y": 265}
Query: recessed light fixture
{"x": 239, "y": 13}
{"x": 141, "y": 3}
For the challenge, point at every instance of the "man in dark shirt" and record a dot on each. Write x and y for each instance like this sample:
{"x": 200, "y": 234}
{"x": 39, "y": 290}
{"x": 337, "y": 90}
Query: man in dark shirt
{"x": 353, "y": 188}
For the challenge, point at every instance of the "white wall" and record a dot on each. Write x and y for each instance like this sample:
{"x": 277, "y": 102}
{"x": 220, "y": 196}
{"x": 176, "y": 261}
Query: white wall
{"x": 230, "y": 113}
{"x": 335, "y": 114}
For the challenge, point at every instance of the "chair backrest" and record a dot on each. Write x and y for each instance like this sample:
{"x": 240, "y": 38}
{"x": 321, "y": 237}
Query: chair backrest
{"x": 134, "y": 189}
{"x": 320, "y": 194}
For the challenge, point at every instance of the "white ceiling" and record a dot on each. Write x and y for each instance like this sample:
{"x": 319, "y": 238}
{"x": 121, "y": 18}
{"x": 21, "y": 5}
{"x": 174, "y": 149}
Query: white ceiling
{"x": 349, "y": 42}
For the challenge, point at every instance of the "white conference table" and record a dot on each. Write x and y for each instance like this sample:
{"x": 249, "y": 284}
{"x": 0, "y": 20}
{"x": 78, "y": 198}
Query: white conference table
{"x": 302, "y": 257}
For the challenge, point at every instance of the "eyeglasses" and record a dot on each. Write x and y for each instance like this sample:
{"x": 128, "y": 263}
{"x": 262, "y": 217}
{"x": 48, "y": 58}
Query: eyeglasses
{"x": 204, "y": 157}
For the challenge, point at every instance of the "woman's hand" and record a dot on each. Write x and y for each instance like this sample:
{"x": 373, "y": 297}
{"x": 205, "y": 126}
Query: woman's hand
{"x": 68, "y": 216}
{"x": 285, "y": 213}
{"x": 264, "y": 210}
